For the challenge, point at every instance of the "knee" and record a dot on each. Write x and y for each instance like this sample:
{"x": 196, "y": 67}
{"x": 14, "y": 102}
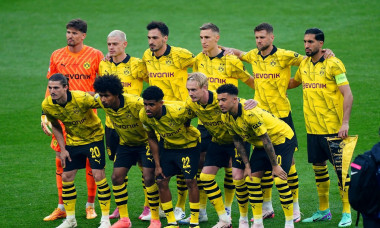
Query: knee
{"x": 117, "y": 179}
{"x": 149, "y": 179}
{"x": 162, "y": 183}
{"x": 98, "y": 174}
{"x": 191, "y": 183}
{"x": 237, "y": 174}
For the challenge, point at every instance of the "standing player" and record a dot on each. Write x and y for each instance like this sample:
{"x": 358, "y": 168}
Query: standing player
{"x": 84, "y": 140}
{"x": 220, "y": 150}
{"x": 167, "y": 69}
{"x": 123, "y": 112}
{"x": 327, "y": 102}
{"x": 274, "y": 144}
{"x": 79, "y": 63}
{"x": 177, "y": 152}
{"x": 219, "y": 69}
{"x": 131, "y": 72}
{"x": 272, "y": 72}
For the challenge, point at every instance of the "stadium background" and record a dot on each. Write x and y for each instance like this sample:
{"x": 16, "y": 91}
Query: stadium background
{"x": 32, "y": 30}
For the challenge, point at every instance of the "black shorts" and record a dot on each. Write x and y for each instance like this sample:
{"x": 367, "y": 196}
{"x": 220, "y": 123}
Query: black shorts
{"x": 180, "y": 161}
{"x": 318, "y": 149}
{"x": 260, "y": 162}
{"x": 112, "y": 142}
{"x": 205, "y": 138}
{"x": 78, "y": 154}
{"x": 289, "y": 121}
{"x": 220, "y": 155}
{"x": 127, "y": 156}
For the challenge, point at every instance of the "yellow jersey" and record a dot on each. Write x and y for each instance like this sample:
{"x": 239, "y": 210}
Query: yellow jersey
{"x": 126, "y": 120}
{"x": 220, "y": 69}
{"x": 131, "y": 72}
{"x": 210, "y": 115}
{"x": 272, "y": 74}
{"x": 250, "y": 124}
{"x": 169, "y": 71}
{"x": 82, "y": 125}
{"x": 322, "y": 99}
{"x": 172, "y": 126}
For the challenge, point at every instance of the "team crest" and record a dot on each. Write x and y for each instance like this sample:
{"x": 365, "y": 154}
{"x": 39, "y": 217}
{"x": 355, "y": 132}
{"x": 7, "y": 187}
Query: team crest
{"x": 322, "y": 72}
{"x": 169, "y": 62}
{"x": 217, "y": 112}
{"x": 75, "y": 110}
{"x": 296, "y": 55}
{"x": 273, "y": 63}
{"x": 221, "y": 68}
{"x": 171, "y": 123}
{"x": 86, "y": 65}
{"x": 127, "y": 71}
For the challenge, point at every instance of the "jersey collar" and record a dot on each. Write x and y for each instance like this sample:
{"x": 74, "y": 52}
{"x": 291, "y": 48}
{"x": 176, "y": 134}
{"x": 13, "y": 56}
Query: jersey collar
{"x": 167, "y": 52}
{"x": 163, "y": 112}
{"x": 271, "y": 53}
{"x": 125, "y": 60}
{"x": 69, "y": 98}
{"x": 121, "y": 98}
{"x": 240, "y": 111}
{"x": 220, "y": 55}
{"x": 210, "y": 98}
{"x": 319, "y": 61}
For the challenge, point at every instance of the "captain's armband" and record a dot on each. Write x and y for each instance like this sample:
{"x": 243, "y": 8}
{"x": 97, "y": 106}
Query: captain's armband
{"x": 341, "y": 78}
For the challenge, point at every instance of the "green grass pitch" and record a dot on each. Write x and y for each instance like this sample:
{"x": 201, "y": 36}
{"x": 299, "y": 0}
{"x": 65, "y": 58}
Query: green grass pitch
{"x": 32, "y": 30}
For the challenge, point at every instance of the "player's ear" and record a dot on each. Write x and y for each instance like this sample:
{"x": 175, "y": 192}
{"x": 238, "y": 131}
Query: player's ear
{"x": 84, "y": 35}
{"x": 125, "y": 44}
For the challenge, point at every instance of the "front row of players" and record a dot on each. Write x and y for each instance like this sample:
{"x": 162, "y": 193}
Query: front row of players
{"x": 232, "y": 122}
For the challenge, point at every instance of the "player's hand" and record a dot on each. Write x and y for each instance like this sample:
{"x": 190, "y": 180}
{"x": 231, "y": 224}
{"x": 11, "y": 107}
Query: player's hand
{"x": 107, "y": 57}
{"x": 64, "y": 155}
{"x": 46, "y": 125}
{"x": 227, "y": 51}
{"x": 327, "y": 53}
{"x": 343, "y": 131}
{"x": 250, "y": 104}
{"x": 279, "y": 172}
{"x": 248, "y": 172}
{"x": 158, "y": 172}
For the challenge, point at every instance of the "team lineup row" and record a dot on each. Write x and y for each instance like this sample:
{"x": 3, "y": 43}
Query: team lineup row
{"x": 226, "y": 129}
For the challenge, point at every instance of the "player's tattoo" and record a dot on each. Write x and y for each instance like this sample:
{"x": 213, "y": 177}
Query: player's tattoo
{"x": 239, "y": 145}
{"x": 268, "y": 146}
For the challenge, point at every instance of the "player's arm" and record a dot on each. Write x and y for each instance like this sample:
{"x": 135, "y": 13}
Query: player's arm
{"x": 269, "y": 149}
{"x": 58, "y": 133}
{"x": 250, "y": 82}
{"x": 296, "y": 81}
{"x": 347, "y": 105}
{"x": 239, "y": 145}
{"x": 293, "y": 83}
{"x": 46, "y": 125}
{"x": 232, "y": 51}
{"x": 153, "y": 144}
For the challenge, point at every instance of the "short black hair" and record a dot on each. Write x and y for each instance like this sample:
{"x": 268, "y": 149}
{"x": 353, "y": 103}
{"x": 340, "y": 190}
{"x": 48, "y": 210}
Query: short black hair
{"x": 160, "y": 26}
{"x": 153, "y": 93}
{"x": 77, "y": 24}
{"x": 228, "y": 88}
{"x": 58, "y": 77}
{"x": 110, "y": 83}
{"x": 264, "y": 26}
{"x": 319, "y": 35}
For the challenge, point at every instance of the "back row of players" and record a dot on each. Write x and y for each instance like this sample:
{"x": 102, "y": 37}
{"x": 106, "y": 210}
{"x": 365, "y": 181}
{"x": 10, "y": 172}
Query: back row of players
{"x": 227, "y": 129}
